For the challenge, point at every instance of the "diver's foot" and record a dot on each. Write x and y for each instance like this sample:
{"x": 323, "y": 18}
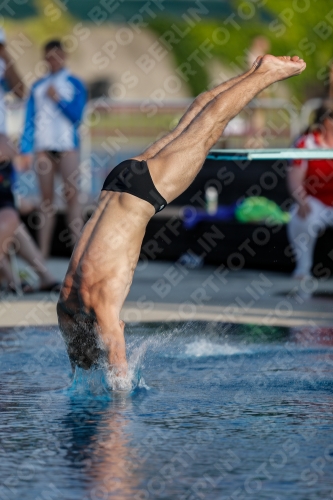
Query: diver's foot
{"x": 280, "y": 67}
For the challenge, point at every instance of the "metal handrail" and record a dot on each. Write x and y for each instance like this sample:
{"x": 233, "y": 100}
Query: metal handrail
{"x": 270, "y": 154}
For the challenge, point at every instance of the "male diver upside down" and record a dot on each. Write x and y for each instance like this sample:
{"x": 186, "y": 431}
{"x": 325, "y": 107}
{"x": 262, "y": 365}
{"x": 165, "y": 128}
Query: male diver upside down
{"x": 103, "y": 262}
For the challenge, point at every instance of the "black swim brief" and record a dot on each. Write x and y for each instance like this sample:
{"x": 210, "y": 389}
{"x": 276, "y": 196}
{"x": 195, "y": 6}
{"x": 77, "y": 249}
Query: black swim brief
{"x": 133, "y": 177}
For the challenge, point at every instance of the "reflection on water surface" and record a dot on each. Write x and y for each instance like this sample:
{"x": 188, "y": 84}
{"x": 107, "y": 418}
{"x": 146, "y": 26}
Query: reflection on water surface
{"x": 216, "y": 412}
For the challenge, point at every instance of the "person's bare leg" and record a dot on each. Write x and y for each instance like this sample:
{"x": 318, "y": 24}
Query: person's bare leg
{"x": 177, "y": 164}
{"x": 6, "y": 274}
{"x": 13, "y": 231}
{"x": 194, "y": 109}
{"x": 45, "y": 170}
{"x": 8, "y": 223}
{"x": 28, "y": 250}
{"x": 69, "y": 169}
{"x": 7, "y": 149}
{"x": 7, "y": 215}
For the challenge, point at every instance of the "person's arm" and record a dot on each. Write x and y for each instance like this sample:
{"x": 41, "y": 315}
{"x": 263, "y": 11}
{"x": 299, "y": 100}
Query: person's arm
{"x": 12, "y": 78}
{"x": 73, "y": 110}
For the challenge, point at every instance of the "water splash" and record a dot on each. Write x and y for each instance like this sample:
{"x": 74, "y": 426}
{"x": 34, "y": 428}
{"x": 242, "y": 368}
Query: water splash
{"x": 140, "y": 349}
{"x": 133, "y": 380}
{"x": 101, "y": 381}
{"x": 203, "y": 348}
{"x": 89, "y": 382}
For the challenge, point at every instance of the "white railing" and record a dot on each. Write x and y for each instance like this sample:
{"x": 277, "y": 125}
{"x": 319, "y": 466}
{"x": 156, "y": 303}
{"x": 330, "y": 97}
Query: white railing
{"x": 111, "y": 127}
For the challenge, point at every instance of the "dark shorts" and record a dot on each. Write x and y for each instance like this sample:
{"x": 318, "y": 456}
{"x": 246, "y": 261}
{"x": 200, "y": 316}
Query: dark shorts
{"x": 6, "y": 194}
{"x": 7, "y": 200}
{"x": 55, "y": 155}
{"x": 133, "y": 177}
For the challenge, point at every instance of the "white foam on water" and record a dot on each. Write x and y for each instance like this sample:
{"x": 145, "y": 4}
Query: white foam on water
{"x": 133, "y": 378}
{"x": 203, "y": 347}
{"x": 101, "y": 380}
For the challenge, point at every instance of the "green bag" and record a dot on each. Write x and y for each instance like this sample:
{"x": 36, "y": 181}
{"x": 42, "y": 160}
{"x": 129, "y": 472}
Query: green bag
{"x": 260, "y": 209}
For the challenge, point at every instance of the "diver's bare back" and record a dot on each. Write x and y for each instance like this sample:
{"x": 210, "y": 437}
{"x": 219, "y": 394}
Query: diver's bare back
{"x": 100, "y": 274}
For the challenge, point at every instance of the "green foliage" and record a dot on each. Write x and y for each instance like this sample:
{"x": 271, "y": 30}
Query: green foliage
{"x": 303, "y": 33}
{"x": 290, "y": 32}
{"x": 293, "y": 27}
{"x": 42, "y": 26}
{"x": 182, "y": 51}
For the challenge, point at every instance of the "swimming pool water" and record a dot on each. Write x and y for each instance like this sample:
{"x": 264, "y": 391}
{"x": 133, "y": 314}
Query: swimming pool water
{"x": 216, "y": 412}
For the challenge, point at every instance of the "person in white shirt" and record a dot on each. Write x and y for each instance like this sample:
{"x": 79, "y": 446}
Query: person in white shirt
{"x": 53, "y": 115}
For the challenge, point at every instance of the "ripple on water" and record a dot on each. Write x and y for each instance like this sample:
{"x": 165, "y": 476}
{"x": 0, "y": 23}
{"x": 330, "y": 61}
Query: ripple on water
{"x": 208, "y": 411}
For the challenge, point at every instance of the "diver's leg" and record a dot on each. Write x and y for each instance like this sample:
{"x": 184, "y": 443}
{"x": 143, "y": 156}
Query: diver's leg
{"x": 174, "y": 168}
{"x": 194, "y": 109}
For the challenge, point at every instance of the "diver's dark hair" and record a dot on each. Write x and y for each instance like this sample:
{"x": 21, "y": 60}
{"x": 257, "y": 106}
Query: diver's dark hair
{"x": 53, "y": 44}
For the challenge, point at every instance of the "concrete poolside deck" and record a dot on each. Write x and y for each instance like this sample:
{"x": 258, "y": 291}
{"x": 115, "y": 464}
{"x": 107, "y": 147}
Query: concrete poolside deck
{"x": 165, "y": 291}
